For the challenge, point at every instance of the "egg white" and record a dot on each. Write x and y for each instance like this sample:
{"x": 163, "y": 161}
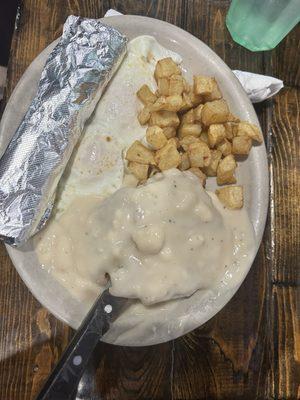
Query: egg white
{"x": 96, "y": 166}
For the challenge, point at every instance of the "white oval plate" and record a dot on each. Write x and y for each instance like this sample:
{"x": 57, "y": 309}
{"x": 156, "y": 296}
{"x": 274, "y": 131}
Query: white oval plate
{"x": 138, "y": 326}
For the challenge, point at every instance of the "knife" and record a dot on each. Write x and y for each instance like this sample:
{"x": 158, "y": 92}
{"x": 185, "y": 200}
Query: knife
{"x": 63, "y": 381}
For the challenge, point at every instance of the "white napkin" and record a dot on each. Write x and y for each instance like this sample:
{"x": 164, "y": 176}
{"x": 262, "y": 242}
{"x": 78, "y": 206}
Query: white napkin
{"x": 112, "y": 13}
{"x": 258, "y": 87}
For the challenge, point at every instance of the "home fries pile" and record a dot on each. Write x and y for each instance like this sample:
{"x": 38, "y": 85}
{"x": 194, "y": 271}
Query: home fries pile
{"x": 190, "y": 128}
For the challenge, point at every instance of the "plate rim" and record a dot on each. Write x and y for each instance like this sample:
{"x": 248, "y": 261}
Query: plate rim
{"x": 264, "y": 206}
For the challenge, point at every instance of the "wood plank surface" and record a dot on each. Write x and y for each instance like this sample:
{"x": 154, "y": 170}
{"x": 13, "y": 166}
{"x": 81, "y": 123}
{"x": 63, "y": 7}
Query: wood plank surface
{"x": 251, "y": 349}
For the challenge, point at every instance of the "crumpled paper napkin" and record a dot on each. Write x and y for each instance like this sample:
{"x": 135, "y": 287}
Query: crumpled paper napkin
{"x": 258, "y": 87}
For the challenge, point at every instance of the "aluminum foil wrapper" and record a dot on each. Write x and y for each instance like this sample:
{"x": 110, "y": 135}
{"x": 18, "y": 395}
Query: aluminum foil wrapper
{"x": 71, "y": 84}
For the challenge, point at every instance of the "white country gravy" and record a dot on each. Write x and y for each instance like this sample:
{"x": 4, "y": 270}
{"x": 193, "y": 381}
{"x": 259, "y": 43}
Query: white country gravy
{"x": 160, "y": 241}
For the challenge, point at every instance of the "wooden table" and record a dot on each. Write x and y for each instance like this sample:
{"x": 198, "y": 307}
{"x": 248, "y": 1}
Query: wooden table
{"x": 251, "y": 349}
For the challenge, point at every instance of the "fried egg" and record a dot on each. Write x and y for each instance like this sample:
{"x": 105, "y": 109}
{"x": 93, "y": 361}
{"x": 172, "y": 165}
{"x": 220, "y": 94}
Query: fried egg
{"x": 96, "y": 166}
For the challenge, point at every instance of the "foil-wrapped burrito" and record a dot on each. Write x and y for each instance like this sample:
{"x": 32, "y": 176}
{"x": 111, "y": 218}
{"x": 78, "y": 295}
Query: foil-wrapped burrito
{"x": 73, "y": 79}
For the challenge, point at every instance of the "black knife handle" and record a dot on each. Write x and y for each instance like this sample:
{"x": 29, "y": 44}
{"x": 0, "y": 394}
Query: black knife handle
{"x": 64, "y": 379}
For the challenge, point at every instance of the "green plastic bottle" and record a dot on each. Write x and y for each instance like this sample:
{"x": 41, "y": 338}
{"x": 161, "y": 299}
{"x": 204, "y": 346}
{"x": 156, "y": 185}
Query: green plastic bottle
{"x": 261, "y": 24}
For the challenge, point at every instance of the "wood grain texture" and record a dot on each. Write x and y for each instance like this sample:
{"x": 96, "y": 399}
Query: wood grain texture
{"x": 251, "y": 349}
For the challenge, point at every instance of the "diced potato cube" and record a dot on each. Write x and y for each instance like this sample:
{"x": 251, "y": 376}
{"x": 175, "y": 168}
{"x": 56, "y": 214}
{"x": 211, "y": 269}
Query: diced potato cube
{"x": 241, "y": 145}
{"x": 187, "y": 140}
{"x": 188, "y": 117}
{"x": 225, "y": 181}
{"x": 196, "y": 99}
{"x": 160, "y": 104}
{"x": 231, "y": 196}
{"x": 155, "y": 137}
{"x": 229, "y": 129}
{"x": 214, "y": 112}
{"x": 215, "y": 93}
{"x": 225, "y": 147}
{"x": 199, "y": 154}
{"x": 177, "y": 85}
{"x": 164, "y": 119}
{"x": 169, "y": 132}
{"x": 168, "y": 157}
{"x": 146, "y": 95}
{"x": 186, "y": 102}
{"x": 163, "y": 85}
{"x": 140, "y": 171}
{"x": 144, "y": 115}
{"x": 202, "y": 85}
{"x": 165, "y": 68}
{"x": 246, "y": 129}
{"x": 225, "y": 170}
{"x": 189, "y": 130}
{"x": 198, "y": 112}
{"x": 169, "y": 103}
{"x": 137, "y": 152}
{"x": 205, "y": 85}
{"x": 185, "y": 162}
{"x": 200, "y": 175}
{"x": 216, "y": 134}
{"x": 174, "y": 102}
{"x": 211, "y": 170}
